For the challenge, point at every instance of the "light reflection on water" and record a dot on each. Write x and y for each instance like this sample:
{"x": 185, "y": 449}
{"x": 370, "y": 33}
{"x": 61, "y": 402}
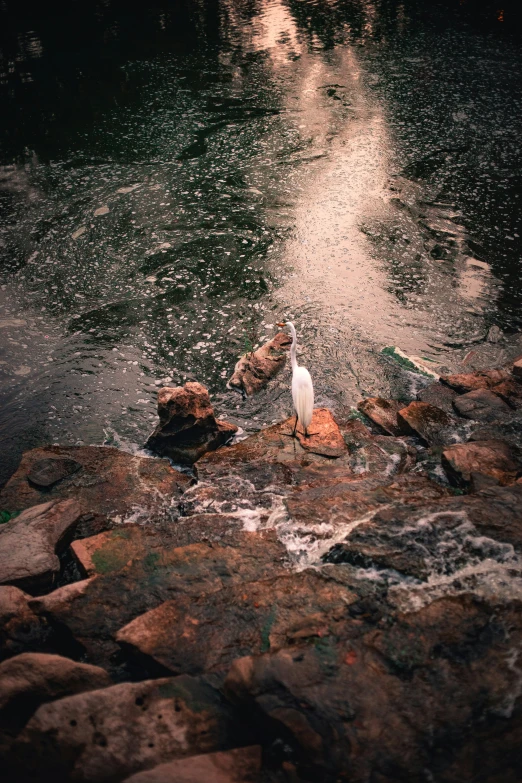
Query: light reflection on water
{"x": 167, "y": 197}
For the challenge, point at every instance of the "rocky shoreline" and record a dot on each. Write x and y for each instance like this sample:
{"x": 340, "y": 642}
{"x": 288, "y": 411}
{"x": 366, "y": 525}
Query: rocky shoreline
{"x": 339, "y": 608}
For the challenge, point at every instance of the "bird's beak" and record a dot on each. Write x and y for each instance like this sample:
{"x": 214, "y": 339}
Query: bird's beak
{"x": 281, "y": 325}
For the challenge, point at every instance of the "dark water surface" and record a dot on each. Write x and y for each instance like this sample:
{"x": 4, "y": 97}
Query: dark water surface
{"x": 176, "y": 179}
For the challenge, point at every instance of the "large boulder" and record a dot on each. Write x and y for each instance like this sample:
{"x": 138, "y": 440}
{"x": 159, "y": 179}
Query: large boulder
{"x": 106, "y": 735}
{"x": 255, "y": 369}
{"x": 30, "y": 544}
{"x": 466, "y": 382}
{"x": 206, "y": 633}
{"x": 482, "y": 405}
{"x": 149, "y": 572}
{"x": 383, "y": 413}
{"x": 30, "y": 679}
{"x": 430, "y": 423}
{"x": 187, "y": 427}
{"x": 109, "y": 486}
{"x": 432, "y": 689}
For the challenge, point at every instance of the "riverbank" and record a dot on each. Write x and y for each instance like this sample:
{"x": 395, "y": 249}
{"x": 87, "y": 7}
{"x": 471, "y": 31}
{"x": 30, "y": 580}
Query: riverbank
{"x": 343, "y": 607}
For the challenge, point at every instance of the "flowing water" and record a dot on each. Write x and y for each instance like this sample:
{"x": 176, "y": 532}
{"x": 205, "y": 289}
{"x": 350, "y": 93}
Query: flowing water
{"x": 176, "y": 179}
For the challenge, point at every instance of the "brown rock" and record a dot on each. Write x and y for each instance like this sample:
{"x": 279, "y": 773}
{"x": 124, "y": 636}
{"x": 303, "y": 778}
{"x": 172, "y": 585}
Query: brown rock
{"x": 517, "y": 368}
{"x": 44, "y": 473}
{"x": 481, "y": 405}
{"x": 148, "y": 574}
{"x": 108, "y": 734}
{"x": 254, "y": 370}
{"x": 359, "y": 707}
{"x": 324, "y": 436}
{"x": 383, "y": 413}
{"x": 20, "y": 628}
{"x": 439, "y": 395}
{"x": 188, "y": 427}
{"x": 510, "y": 391}
{"x": 111, "y": 483}
{"x": 426, "y": 421}
{"x": 493, "y": 457}
{"x": 31, "y": 679}
{"x": 467, "y": 382}
{"x": 205, "y": 633}
{"x": 30, "y": 541}
{"x": 241, "y": 765}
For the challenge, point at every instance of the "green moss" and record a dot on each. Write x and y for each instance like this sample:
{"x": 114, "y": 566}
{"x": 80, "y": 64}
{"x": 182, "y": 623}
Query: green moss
{"x": 151, "y": 562}
{"x": 109, "y": 558}
{"x": 6, "y": 516}
{"x": 405, "y": 363}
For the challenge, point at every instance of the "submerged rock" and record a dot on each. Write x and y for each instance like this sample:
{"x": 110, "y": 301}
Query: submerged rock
{"x": 29, "y": 544}
{"x": 255, "y": 369}
{"x": 188, "y": 427}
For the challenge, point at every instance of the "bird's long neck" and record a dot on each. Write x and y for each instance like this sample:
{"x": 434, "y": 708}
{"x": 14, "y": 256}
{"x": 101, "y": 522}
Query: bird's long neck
{"x": 293, "y": 349}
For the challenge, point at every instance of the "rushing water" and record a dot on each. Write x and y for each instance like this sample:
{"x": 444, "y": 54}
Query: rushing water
{"x": 176, "y": 179}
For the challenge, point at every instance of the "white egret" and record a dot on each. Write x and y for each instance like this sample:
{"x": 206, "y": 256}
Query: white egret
{"x": 302, "y": 387}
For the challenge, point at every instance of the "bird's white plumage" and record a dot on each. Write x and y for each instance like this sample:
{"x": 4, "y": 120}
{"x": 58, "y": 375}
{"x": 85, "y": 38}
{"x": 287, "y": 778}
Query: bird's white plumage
{"x": 303, "y": 395}
{"x": 302, "y": 387}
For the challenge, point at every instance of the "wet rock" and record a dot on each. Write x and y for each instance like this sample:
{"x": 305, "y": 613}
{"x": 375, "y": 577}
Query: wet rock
{"x": 20, "y": 628}
{"x": 111, "y": 484}
{"x": 376, "y": 454}
{"x": 517, "y": 368}
{"x": 467, "y": 382}
{"x": 439, "y": 395}
{"x": 29, "y": 544}
{"x": 357, "y": 708}
{"x": 383, "y": 413}
{"x": 44, "y": 473}
{"x": 30, "y": 679}
{"x": 108, "y": 734}
{"x": 324, "y": 436}
{"x": 148, "y": 573}
{"x": 240, "y": 765}
{"x": 255, "y": 369}
{"x": 481, "y": 405}
{"x": 510, "y": 391}
{"x": 188, "y": 427}
{"x": 492, "y": 457}
{"x": 495, "y": 335}
{"x": 205, "y": 633}
{"x": 426, "y": 421}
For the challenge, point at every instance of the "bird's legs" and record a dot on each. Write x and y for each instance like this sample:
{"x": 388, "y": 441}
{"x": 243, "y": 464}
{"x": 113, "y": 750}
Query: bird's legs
{"x": 295, "y": 426}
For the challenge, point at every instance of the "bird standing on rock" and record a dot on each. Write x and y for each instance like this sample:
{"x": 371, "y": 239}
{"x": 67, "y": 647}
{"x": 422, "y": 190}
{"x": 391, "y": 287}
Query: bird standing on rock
{"x": 302, "y": 387}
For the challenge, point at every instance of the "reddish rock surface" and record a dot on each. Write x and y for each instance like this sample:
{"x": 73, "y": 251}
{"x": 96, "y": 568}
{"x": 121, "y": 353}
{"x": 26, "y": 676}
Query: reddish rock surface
{"x": 149, "y": 573}
{"x": 467, "y": 382}
{"x": 207, "y": 632}
{"x": 482, "y": 405}
{"x": 359, "y": 707}
{"x": 517, "y": 368}
{"x": 254, "y": 370}
{"x": 491, "y": 457}
{"x": 241, "y": 765}
{"x": 188, "y": 427}
{"x": 29, "y": 544}
{"x": 108, "y": 734}
{"x": 324, "y": 436}
{"x": 111, "y": 484}
{"x": 425, "y": 420}
{"x": 383, "y": 413}
{"x": 31, "y": 679}
{"x": 510, "y": 391}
